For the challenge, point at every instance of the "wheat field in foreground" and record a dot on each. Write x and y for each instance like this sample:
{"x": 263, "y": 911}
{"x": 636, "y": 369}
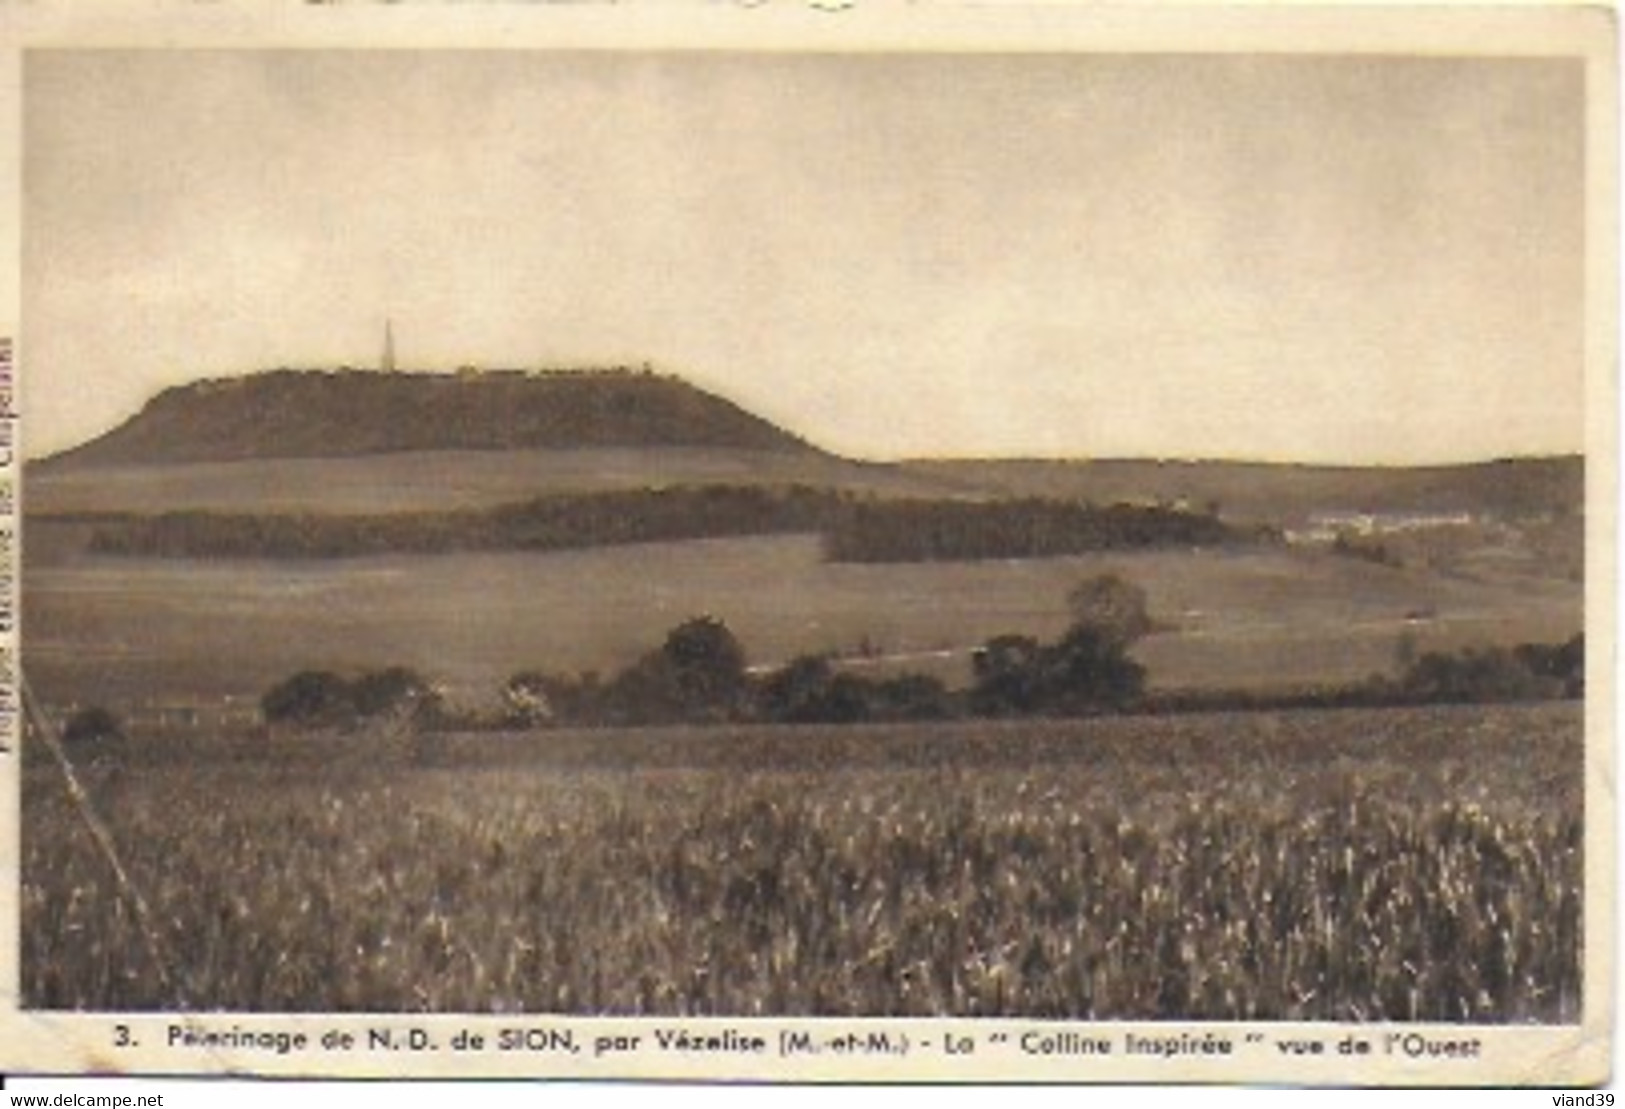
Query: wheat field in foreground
{"x": 1409, "y": 864}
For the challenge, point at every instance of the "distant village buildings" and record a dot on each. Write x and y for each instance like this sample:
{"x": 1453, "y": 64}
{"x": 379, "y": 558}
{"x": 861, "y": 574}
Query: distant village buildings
{"x": 1328, "y": 527}
{"x": 387, "y": 362}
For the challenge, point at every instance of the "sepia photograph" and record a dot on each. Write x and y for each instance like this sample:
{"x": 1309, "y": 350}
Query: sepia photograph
{"x": 1063, "y": 536}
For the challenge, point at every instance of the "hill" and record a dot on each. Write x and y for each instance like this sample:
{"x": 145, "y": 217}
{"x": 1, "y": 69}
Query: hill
{"x": 364, "y": 443}
{"x": 359, "y": 441}
{"x": 348, "y": 413}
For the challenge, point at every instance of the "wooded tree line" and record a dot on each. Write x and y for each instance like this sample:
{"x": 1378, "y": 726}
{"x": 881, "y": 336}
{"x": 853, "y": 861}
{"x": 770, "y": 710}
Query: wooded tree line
{"x": 542, "y": 523}
{"x": 698, "y": 675}
{"x": 1467, "y": 676}
{"x": 1527, "y": 672}
{"x": 854, "y": 529}
{"x": 937, "y": 531}
{"x": 322, "y": 699}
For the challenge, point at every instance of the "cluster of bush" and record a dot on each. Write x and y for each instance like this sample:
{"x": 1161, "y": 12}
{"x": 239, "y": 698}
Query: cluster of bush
{"x": 854, "y": 530}
{"x": 1527, "y": 672}
{"x": 699, "y": 675}
{"x": 1366, "y": 550}
{"x": 321, "y": 699}
{"x": 1469, "y": 676}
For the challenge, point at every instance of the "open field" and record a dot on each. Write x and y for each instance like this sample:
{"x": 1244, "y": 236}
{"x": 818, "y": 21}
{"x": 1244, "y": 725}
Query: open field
{"x": 1401, "y": 864}
{"x": 113, "y": 630}
{"x": 447, "y": 479}
{"x": 437, "y": 481}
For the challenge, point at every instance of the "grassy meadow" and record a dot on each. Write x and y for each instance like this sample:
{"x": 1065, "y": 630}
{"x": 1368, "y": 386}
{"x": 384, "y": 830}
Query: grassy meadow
{"x": 1395, "y": 864}
{"x": 116, "y": 630}
{"x": 440, "y": 480}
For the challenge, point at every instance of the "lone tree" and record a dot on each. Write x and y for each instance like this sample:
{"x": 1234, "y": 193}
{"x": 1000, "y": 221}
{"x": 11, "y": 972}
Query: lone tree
{"x": 1114, "y": 609}
{"x": 1090, "y": 667}
{"x": 697, "y": 675}
{"x": 310, "y": 699}
{"x": 707, "y": 665}
{"x": 1087, "y": 670}
{"x": 94, "y": 733}
{"x": 95, "y": 741}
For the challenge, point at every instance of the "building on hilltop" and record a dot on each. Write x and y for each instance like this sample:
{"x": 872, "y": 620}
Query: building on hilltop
{"x": 387, "y": 362}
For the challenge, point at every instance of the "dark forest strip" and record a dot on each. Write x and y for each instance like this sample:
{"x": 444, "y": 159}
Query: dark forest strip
{"x": 855, "y": 530}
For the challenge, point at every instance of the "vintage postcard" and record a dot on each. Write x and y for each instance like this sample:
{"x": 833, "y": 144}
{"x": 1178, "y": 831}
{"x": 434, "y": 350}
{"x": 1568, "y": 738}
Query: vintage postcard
{"x": 1039, "y": 544}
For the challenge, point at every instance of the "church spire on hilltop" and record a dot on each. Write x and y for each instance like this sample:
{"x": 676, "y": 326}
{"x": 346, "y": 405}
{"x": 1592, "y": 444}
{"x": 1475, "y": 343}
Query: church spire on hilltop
{"x": 387, "y": 363}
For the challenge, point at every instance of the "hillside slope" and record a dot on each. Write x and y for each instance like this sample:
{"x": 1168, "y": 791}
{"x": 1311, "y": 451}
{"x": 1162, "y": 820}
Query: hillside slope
{"x": 421, "y": 481}
{"x": 347, "y": 413}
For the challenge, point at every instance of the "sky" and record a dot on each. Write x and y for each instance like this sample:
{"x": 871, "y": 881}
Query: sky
{"x": 1329, "y": 259}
